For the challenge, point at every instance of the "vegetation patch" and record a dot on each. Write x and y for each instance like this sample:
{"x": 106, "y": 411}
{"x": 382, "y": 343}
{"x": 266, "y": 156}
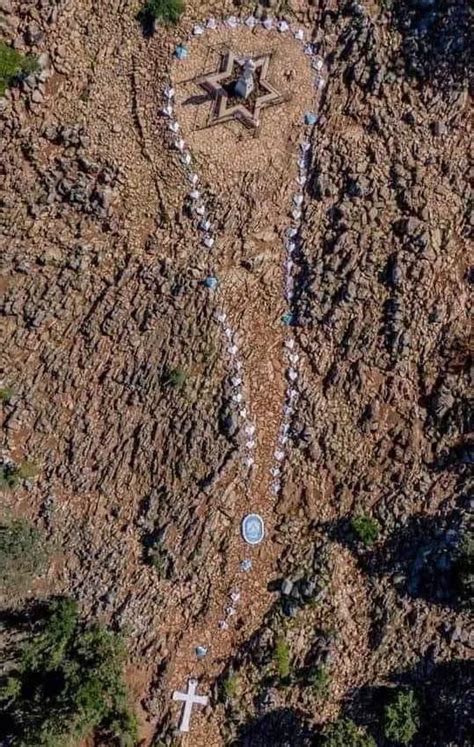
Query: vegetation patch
{"x": 175, "y": 378}
{"x": 163, "y": 11}
{"x": 402, "y": 717}
{"x": 464, "y": 569}
{"x": 230, "y": 686}
{"x": 345, "y": 733}
{"x": 67, "y": 686}
{"x": 6, "y": 393}
{"x": 12, "y": 474}
{"x": 319, "y": 680}
{"x": 13, "y": 65}
{"x": 23, "y": 553}
{"x": 366, "y": 529}
{"x": 282, "y": 659}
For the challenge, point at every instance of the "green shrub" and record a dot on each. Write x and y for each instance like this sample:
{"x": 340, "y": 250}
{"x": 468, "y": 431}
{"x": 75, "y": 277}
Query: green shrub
{"x": 23, "y": 553}
{"x": 68, "y": 685}
{"x": 11, "y": 474}
{"x": 229, "y": 686}
{"x": 366, "y": 529}
{"x": 464, "y": 569}
{"x": 345, "y": 733}
{"x": 402, "y": 717}
{"x": 6, "y": 393}
{"x": 175, "y": 378}
{"x": 164, "y": 11}
{"x": 12, "y": 65}
{"x": 319, "y": 680}
{"x": 282, "y": 659}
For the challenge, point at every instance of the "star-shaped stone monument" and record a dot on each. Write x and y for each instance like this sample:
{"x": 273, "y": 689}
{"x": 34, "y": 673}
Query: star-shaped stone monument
{"x": 226, "y": 103}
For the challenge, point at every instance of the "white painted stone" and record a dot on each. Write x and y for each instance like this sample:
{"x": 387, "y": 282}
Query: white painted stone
{"x": 190, "y": 699}
{"x": 253, "y": 529}
{"x": 212, "y": 24}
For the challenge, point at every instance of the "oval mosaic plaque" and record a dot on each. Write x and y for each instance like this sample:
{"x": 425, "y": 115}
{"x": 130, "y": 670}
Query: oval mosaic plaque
{"x": 253, "y": 529}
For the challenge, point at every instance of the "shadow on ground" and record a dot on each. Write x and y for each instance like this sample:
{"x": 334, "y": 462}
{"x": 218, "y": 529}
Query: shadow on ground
{"x": 446, "y": 693}
{"x": 283, "y": 727}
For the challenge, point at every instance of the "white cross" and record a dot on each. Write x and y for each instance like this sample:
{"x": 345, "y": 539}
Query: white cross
{"x": 189, "y": 699}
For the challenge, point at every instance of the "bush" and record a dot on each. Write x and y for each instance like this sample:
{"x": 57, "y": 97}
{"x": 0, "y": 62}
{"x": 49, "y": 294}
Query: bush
{"x": 11, "y": 474}
{"x": 68, "y": 685}
{"x": 12, "y": 65}
{"x": 366, "y": 529}
{"x": 6, "y": 393}
{"x": 164, "y": 11}
{"x": 345, "y": 733}
{"x": 282, "y": 658}
{"x": 402, "y": 717}
{"x": 319, "y": 680}
{"x": 175, "y": 378}
{"x": 23, "y": 553}
{"x": 229, "y": 686}
{"x": 464, "y": 569}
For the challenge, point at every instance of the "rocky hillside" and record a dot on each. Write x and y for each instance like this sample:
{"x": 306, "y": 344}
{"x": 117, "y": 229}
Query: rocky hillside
{"x": 118, "y": 390}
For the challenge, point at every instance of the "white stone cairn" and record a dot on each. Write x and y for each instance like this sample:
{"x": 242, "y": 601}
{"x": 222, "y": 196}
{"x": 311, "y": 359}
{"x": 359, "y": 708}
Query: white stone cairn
{"x": 189, "y": 699}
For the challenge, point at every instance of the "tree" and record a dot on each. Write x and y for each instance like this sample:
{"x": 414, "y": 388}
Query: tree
{"x": 345, "y": 733}
{"x": 402, "y": 717}
{"x": 67, "y": 685}
{"x": 164, "y": 11}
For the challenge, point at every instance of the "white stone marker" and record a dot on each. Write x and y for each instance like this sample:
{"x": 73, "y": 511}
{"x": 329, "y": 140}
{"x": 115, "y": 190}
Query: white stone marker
{"x": 189, "y": 699}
